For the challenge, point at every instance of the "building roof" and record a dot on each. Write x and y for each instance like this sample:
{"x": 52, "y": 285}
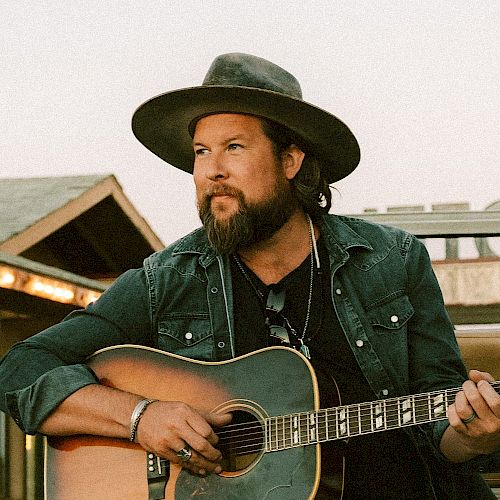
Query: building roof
{"x": 82, "y": 224}
{"x": 26, "y": 201}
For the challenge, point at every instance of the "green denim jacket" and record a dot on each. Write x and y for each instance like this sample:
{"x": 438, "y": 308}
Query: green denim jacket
{"x": 384, "y": 293}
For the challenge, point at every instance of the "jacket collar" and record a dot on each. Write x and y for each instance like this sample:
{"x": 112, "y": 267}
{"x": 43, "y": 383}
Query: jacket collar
{"x": 338, "y": 236}
{"x": 196, "y": 243}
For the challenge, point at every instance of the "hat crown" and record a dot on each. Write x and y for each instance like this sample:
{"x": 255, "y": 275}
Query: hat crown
{"x": 245, "y": 70}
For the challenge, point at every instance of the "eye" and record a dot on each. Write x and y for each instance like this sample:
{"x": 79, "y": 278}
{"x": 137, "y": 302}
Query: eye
{"x": 234, "y": 146}
{"x": 200, "y": 151}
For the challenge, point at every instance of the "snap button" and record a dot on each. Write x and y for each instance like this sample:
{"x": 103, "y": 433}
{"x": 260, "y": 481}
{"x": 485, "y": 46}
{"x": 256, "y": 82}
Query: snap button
{"x": 338, "y": 291}
{"x": 188, "y": 336}
{"x": 214, "y": 289}
{"x": 394, "y": 318}
{"x": 385, "y": 392}
{"x": 360, "y": 343}
{"x": 221, "y": 345}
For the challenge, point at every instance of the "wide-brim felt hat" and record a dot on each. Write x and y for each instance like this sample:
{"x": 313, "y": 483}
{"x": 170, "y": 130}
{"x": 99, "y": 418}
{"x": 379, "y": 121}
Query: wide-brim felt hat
{"x": 242, "y": 83}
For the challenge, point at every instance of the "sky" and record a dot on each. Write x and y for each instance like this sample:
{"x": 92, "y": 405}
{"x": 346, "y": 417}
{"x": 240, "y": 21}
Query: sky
{"x": 417, "y": 83}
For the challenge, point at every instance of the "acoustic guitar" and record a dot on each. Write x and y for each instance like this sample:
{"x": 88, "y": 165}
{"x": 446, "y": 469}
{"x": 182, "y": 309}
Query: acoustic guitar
{"x": 271, "y": 448}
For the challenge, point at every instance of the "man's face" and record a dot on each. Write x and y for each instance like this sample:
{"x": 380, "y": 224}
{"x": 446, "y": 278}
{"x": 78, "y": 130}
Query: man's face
{"x": 242, "y": 191}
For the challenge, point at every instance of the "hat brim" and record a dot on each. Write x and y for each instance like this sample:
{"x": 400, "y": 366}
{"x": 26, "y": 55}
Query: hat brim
{"x": 162, "y": 124}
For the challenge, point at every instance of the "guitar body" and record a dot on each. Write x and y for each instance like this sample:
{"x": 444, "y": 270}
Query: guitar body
{"x": 267, "y": 383}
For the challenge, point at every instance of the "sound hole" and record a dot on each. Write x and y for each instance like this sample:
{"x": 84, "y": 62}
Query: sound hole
{"x": 241, "y": 442}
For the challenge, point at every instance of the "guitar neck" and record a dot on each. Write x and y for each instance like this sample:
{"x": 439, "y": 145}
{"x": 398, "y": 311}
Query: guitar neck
{"x": 342, "y": 422}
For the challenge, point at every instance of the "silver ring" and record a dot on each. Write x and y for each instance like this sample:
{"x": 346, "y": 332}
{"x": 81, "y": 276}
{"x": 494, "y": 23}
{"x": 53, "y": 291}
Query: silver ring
{"x": 470, "y": 419}
{"x": 185, "y": 454}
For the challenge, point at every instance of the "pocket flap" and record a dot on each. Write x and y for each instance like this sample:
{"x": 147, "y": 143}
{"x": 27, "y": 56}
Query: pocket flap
{"x": 392, "y": 315}
{"x": 187, "y": 331}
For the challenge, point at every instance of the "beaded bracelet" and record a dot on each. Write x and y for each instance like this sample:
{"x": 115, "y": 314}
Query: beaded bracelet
{"x": 136, "y": 416}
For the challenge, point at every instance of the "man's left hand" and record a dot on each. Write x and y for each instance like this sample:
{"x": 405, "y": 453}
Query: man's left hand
{"x": 475, "y": 414}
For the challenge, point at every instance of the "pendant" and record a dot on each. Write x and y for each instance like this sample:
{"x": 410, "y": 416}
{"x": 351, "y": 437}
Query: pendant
{"x": 304, "y": 350}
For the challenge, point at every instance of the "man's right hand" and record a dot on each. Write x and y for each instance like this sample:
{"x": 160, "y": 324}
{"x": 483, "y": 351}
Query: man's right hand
{"x": 166, "y": 427}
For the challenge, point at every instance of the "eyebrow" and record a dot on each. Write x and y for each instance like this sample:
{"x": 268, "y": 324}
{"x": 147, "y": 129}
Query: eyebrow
{"x": 226, "y": 141}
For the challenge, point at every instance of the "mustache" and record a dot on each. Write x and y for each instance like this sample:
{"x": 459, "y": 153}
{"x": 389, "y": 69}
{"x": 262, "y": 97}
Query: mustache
{"x": 221, "y": 190}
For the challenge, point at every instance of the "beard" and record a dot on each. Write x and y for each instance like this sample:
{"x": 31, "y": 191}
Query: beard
{"x": 251, "y": 223}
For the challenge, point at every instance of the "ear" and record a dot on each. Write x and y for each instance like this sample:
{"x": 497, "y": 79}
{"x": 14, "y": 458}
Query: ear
{"x": 292, "y": 160}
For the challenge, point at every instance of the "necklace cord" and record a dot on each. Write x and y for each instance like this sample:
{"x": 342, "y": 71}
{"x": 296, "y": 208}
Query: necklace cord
{"x": 313, "y": 252}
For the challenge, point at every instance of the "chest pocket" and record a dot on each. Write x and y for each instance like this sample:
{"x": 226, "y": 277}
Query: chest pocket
{"x": 391, "y": 316}
{"x": 187, "y": 336}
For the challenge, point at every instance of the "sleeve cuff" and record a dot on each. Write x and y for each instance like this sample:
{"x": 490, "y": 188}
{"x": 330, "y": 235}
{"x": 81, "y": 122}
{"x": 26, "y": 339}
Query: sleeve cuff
{"x": 30, "y": 406}
{"x": 481, "y": 463}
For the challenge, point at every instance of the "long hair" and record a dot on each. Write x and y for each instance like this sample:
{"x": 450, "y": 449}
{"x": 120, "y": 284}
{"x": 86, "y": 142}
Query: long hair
{"x": 309, "y": 185}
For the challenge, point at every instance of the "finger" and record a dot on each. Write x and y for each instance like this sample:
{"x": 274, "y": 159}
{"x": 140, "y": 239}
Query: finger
{"x": 200, "y": 465}
{"x": 204, "y": 426}
{"x": 202, "y": 444}
{"x": 490, "y": 396}
{"x": 218, "y": 419}
{"x": 476, "y": 376}
{"x": 462, "y": 407}
{"x": 454, "y": 420}
{"x": 197, "y": 463}
{"x": 476, "y": 399}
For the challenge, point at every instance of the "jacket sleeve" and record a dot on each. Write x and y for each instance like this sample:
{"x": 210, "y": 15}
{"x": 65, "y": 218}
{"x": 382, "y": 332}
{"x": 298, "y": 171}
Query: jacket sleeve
{"x": 37, "y": 374}
{"x": 434, "y": 355}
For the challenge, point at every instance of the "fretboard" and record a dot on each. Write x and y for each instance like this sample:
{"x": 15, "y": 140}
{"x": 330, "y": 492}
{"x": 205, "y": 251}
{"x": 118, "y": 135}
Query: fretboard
{"x": 342, "y": 422}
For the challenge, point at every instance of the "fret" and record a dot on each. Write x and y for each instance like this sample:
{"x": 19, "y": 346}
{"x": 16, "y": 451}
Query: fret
{"x": 313, "y": 427}
{"x": 391, "y": 414}
{"x": 342, "y": 427}
{"x": 420, "y": 409}
{"x": 286, "y": 432}
{"x": 280, "y": 426}
{"x": 331, "y": 423}
{"x": 266, "y": 433}
{"x": 289, "y": 432}
{"x": 303, "y": 429}
{"x": 295, "y": 430}
{"x": 276, "y": 433}
{"x": 328, "y": 426}
{"x": 386, "y": 414}
{"x": 439, "y": 405}
{"x": 399, "y": 413}
{"x": 322, "y": 425}
{"x": 406, "y": 411}
{"x": 366, "y": 421}
{"x": 378, "y": 420}
{"x": 359, "y": 418}
{"x": 353, "y": 418}
{"x": 307, "y": 429}
{"x": 273, "y": 434}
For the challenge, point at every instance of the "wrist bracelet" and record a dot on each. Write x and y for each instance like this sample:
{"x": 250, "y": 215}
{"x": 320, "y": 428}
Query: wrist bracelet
{"x": 136, "y": 416}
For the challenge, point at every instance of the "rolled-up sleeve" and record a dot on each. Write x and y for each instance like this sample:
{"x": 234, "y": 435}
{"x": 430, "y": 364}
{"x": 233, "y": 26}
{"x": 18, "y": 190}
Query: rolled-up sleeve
{"x": 37, "y": 374}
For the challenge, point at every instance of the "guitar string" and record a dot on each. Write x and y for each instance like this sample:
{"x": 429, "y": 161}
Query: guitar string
{"x": 282, "y": 425}
{"x": 253, "y": 442}
{"x": 418, "y": 399}
{"x": 282, "y": 443}
{"x": 392, "y": 403}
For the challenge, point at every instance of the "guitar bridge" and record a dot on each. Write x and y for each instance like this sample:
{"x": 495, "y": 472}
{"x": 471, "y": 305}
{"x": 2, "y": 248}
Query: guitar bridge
{"x": 158, "y": 473}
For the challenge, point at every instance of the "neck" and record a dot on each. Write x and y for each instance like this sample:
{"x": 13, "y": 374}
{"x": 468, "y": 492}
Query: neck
{"x": 271, "y": 260}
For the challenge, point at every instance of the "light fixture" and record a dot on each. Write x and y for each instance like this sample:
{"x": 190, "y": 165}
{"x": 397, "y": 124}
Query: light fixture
{"x": 46, "y": 287}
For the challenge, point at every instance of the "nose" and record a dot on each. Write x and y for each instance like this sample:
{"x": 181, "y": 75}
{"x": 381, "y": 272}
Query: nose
{"x": 214, "y": 167}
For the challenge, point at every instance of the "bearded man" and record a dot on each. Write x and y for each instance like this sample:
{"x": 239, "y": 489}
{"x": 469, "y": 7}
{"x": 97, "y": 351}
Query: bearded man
{"x": 270, "y": 267}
